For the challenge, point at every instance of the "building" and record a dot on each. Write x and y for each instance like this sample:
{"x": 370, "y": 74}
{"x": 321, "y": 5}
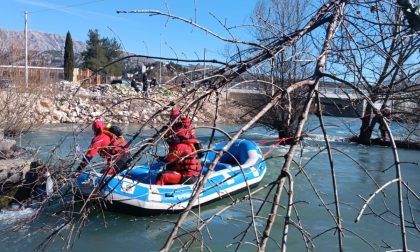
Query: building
{"x": 41, "y": 75}
{"x": 35, "y": 74}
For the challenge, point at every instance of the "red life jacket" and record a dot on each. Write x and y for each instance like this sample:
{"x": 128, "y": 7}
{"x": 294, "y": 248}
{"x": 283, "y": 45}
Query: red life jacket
{"x": 185, "y": 158}
{"x": 100, "y": 144}
{"x": 116, "y": 146}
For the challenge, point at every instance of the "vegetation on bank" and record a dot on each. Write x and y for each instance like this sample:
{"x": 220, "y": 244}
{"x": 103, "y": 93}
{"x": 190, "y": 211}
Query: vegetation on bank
{"x": 100, "y": 52}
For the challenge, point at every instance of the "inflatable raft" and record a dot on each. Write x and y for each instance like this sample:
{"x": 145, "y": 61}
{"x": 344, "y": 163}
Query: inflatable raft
{"x": 240, "y": 167}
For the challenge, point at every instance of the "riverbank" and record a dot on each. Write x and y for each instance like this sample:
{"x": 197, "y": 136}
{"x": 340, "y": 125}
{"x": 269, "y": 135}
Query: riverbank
{"x": 404, "y": 144}
{"x": 68, "y": 102}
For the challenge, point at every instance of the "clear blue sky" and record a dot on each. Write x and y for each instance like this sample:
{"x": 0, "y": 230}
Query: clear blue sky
{"x": 139, "y": 33}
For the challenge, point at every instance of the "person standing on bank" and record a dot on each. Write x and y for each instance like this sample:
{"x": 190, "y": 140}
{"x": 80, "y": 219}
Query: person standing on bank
{"x": 134, "y": 85}
{"x": 183, "y": 86}
{"x": 153, "y": 83}
{"x": 145, "y": 86}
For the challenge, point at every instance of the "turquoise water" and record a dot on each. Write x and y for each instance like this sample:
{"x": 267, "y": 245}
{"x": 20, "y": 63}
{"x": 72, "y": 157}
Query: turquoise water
{"x": 109, "y": 231}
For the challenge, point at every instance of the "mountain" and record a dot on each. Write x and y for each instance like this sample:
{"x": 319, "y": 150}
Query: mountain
{"x": 37, "y": 41}
{"x": 45, "y": 49}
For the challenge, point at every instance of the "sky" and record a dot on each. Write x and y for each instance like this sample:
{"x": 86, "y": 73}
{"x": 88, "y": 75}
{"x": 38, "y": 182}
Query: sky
{"x": 138, "y": 33}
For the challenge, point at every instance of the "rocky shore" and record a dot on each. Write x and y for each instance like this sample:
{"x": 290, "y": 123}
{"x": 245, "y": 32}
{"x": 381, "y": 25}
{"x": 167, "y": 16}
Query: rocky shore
{"x": 13, "y": 169}
{"x": 68, "y": 102}
{"x": 118, "y": 103}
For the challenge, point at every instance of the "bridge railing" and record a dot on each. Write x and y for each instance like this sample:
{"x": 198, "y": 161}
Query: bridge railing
{"x": 338, "y": 91}
{"x": 253, "y": 87}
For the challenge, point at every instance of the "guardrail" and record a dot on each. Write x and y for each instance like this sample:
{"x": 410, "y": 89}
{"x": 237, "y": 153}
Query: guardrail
{"x": 328, "y": 92}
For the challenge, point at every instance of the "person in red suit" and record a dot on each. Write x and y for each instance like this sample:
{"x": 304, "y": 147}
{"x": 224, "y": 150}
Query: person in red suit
{"x": 109, "y": 146}
{"x": 181, "y": 128}
{"x": 183, "y": 164}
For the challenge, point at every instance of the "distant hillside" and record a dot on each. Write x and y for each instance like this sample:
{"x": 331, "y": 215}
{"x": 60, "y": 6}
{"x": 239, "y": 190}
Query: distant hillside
{"x": 45, "y": 49}
{"x": 37, "y": 41}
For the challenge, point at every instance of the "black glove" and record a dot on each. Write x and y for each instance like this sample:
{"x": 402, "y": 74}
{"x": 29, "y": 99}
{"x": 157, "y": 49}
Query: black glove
{"x": 161, "y": 158}
{"x": 83, "y": 164}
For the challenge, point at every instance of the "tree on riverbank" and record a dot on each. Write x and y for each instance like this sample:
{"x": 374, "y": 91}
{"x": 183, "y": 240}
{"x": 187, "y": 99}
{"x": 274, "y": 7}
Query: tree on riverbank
{"x": 380, "y": 58}
{"x": 100, "y": 52}
{"x": 271, "y": 18}
{"x": 68, "y": 58}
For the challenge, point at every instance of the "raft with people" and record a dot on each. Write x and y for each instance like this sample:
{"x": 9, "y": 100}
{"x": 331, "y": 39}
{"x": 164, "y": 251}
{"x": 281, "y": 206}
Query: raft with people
{"x": 240, "y": 167}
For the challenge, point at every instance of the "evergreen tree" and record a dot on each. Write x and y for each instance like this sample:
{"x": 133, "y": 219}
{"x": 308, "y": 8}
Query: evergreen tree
{"x": 94, "y": 56}
{"x": 112, "y": 52}
{"x": 100, "y": 52}
{"x": 68, "y": 58}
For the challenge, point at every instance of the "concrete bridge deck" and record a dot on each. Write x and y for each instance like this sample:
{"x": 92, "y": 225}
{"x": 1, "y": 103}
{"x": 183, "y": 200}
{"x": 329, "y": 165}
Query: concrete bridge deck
{"x": 335, "y": 101}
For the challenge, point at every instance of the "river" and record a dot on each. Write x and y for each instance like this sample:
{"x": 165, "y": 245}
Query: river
{"x": 110, "y": 231}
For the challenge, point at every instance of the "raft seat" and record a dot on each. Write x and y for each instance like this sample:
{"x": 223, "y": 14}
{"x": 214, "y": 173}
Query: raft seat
{"x": 239, "y": 150}
{"x": 144, "y": 174}
{"x": 218, "y": 167}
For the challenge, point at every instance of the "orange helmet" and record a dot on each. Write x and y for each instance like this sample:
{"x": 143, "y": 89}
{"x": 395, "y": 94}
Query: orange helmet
{"x": 98, "y": 126}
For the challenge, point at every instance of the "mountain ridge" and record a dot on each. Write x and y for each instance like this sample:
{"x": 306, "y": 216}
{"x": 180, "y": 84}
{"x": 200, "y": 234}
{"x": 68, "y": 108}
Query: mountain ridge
{"x": 37, "y": 41}
{"x": 45, "y": 49}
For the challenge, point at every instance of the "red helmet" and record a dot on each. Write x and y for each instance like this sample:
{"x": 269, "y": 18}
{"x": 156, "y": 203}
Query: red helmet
{"x": 175, "y": 112}
{"x": 98, "y": 126}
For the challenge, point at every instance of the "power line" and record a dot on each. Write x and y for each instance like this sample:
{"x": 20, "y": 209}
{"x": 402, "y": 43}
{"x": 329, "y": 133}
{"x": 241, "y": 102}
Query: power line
{"x": 65, "y": 7}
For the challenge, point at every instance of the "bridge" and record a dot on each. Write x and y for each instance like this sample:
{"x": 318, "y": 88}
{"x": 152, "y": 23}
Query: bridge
{"x": 336, "y": 101}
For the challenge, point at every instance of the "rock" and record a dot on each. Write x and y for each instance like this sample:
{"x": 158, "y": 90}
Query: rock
{"x": 23, "y": 179}
{"x": 1, "y": 134}
{"x": 57, "y": 115}
{"x": 65, "y": 119}
{"x": 7, "y": 144}
{"x": 77, "y": 110}
{"x": 41, "y": 109}
{"x": 13, "y": 170}
{"x": 84, "y": 92}
{"x": 95, "y": 114}
{"x": 45, "y": 103}
{"x": 65, "y": 108}
{"x": 72, "y": 118}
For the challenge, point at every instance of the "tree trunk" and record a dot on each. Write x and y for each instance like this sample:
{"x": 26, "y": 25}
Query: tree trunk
{"x": 284, "y": 130}
{"x": 368, "y": 123}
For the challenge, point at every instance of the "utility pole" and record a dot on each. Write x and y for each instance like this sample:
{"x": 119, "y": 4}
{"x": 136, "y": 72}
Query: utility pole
{"x": 204, "y": 71}
{"x": 26, "y": 49}
{"x": 160, "y": 61}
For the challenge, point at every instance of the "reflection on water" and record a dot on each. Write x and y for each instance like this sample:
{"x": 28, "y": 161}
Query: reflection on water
{"x": 355, "y": 168}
